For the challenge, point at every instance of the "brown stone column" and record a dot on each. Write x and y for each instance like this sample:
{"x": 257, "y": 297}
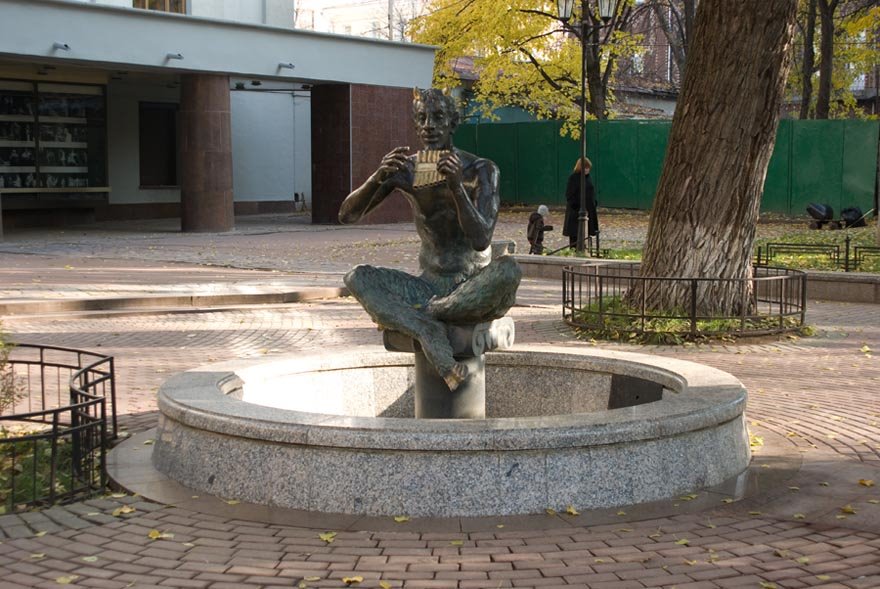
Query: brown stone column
{"x": 205, "y": 144}
{"x": 353, "y": 126}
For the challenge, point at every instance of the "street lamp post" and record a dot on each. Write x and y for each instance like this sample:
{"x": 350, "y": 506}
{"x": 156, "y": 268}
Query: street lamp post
{"x": 606, "y": 12}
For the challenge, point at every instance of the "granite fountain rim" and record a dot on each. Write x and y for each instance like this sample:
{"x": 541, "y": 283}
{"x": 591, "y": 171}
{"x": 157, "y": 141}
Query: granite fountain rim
{"x": 701, "y": 397}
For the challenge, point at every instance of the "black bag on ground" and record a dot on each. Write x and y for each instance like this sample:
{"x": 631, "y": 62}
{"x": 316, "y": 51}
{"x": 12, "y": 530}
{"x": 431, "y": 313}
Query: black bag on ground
{"x": 820, "y": 212}
{"x": 852, "y": 217}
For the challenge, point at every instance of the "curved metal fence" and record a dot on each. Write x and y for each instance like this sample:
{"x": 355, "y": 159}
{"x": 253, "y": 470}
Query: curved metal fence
{"x": 54, "y": 426}
{"x": 595, "y": 297}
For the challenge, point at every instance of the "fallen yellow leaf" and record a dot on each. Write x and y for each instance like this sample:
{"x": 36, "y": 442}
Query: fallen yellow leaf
{"x": 570, "y": 510}
{"x": 874, "y": 501}
{"x": 37, "y": 555}
{"x": 690, "y": 497}
{"x": 327, "y": 537}
{"x": 456, "y": 542}
{"x": 384, "y": 584}
{"x": 866, "y": 482}
{"x": 803, "y": 560}
{"x": 122, "y": 510}
{"x": 40, "y": 534}
{"x": 621, "y": 512}
{"x": 352, "y": 580}
{"x": 766, "y": 585}
{"x": 799, "y": 516}
{"x": 683, "y": 542}
{"x": 690, "y": 562}
{"x": 401, "y": 518}
{"x": 66, "y": 580}
{"x": 847, "y": 509}
{"x": 823, "y": 577}
{"x": 156, "y": 534}
{"x": 231, "y": 501}
{"x": 794, "y": 489}
{"x": 90, "y": 559}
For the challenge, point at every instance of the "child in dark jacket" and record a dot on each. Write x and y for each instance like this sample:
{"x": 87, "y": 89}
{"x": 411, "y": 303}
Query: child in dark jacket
{"x": 536, "y": 229}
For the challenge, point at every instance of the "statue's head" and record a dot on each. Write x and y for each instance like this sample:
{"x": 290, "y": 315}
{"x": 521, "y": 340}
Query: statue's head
{"x": 436, "y": 117}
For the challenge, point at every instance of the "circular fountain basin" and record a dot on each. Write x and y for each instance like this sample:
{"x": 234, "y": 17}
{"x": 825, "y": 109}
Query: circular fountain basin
{"x": 334, "y": 432}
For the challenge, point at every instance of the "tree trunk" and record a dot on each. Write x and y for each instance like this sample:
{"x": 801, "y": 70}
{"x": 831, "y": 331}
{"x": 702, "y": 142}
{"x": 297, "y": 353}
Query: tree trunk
{"x": 809, "y": 60}
{"x": 706, "y": 208}
{"x": 827, "y": 8}
{"x": 596, "y": 89}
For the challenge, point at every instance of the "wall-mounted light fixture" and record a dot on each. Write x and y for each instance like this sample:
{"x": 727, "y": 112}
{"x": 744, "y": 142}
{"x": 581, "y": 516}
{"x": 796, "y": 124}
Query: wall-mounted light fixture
{"x": 174, "y": 56}
{"x": 58, "y": 46}
{"x": 286, "y": 66}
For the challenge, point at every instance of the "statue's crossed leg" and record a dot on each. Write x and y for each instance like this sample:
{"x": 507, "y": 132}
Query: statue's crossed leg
{"x": 411, "y": 304}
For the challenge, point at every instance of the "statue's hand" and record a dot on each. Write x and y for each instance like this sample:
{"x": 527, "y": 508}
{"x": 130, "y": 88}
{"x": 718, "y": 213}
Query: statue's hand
{"x": 449, "y": 167}
{"x": 394, "y": 161}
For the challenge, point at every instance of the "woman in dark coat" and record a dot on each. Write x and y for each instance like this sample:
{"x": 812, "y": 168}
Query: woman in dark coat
{"x": 573, "y": 203}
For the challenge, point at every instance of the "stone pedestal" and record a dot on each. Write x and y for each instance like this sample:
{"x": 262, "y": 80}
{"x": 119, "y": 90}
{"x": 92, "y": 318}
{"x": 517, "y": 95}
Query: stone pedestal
{"x": 205, "y": 144}
{"x": 433, "y": 399}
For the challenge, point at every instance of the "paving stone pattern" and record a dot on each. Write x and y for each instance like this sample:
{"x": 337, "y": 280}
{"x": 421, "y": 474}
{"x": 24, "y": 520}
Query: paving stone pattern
{"x": 818, "y": 395}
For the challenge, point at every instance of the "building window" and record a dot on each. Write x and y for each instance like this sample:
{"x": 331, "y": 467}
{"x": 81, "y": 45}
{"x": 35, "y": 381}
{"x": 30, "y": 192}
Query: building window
{"x": 52, "y": 138}
{"x": 178, "y": 6}
{"x": 158, "y": 144}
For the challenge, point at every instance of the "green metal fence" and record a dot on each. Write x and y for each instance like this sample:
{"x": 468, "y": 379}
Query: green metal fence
{"x": 833, "y": 162}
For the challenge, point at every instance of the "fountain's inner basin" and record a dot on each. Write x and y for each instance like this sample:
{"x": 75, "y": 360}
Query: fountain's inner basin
{"x": 334, "y": 433}
{"x": 512, "y": 390}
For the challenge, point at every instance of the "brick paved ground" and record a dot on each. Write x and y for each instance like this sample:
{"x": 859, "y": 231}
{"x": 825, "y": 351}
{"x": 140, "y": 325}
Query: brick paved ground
{"x": 813, "y": 399}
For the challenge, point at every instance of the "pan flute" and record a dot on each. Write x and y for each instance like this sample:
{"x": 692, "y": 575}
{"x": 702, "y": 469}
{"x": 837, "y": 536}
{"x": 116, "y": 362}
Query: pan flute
{"x": 426, "y": 173}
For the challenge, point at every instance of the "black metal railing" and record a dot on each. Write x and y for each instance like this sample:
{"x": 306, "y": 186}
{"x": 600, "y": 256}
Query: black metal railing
{"x": 591, "y": 248}
{"x": 850, "y": 259}
{"x": 613, "y": 296}
{"x": 56, "y": 429}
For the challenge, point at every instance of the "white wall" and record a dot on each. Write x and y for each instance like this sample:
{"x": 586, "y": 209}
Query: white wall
{"x": 271, "y": 144}
{"x": 249, "y": 11}
{"x": 123, "y": 103}
{"x": 262, "y": 145}
{"x": 278, "y": 13}
{"x": 303, "y": 146}
{"x": 107, "y": 36}
{"x": 123, "y": 3}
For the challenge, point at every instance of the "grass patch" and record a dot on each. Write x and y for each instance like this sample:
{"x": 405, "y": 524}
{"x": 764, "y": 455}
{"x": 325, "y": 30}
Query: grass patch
{"x": 862, "y": 236}
{"x": 634, "y": 254}
{"x": 26, "y": 470}
{"x": 622, "y": 323}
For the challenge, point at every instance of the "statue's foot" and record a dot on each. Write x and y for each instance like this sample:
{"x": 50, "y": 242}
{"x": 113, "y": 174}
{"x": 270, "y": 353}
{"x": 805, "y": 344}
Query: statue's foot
{"x": 456, "y": 375}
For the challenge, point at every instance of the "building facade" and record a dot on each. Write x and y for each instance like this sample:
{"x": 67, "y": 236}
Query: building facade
{"x": 197, "y": 108}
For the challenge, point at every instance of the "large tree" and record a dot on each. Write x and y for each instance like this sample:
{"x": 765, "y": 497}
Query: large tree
{"x": 526, "y": 56}
{"x": 706, "y": 208}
